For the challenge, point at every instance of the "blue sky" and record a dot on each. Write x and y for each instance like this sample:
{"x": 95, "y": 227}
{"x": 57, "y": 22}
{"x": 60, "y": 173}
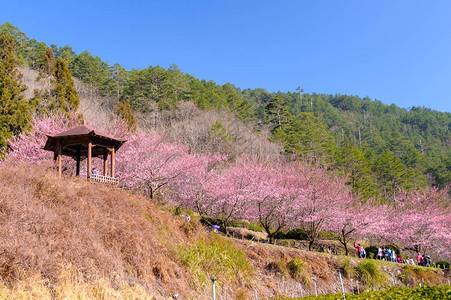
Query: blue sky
{"x": 395, "y": 51}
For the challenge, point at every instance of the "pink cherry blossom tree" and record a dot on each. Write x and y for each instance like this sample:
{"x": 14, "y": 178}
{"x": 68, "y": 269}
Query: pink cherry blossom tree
{"x": 323, "y": 196}
{"x": 273, "y": 204}
{"x": 147, "y": 163}
{"x": 353, "y": 218}
{"x": 28, "y": 145}
{"x": 420, "y": 220}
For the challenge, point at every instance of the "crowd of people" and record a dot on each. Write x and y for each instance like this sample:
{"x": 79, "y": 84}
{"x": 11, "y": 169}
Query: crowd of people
{"x": 388, "y": 254}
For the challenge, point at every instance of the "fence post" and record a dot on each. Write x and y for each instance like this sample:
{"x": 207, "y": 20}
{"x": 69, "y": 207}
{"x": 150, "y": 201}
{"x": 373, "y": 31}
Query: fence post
{"x": 342, "y": 287}
{"x": 213, "y": 280}
{"x": 358, "y": 291}
{"x": 316, "y": 291}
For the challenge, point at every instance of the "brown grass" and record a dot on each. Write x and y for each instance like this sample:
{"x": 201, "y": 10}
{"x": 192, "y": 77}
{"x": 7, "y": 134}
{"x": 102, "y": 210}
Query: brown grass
{"x": 47, "y": 225}
{"x": 70, "y": 239}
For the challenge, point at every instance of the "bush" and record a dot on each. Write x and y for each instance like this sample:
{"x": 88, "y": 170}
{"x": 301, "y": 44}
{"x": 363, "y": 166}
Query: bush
{"x": 442, "y": 264}
{"x": 369, "y": 273}
{"x": 276, "y": 267}
{"x": 394, "y": 293}
{"x": 178, "y": 210}
{"x": 297, "y": 268}
{"x": 249, "y": 236}
{"x": 410, "y": 275}
{"x": 294, "y": 234}
{"x": 215, "y": 257}
{"x": 346, "y": 268}
{"x": 327, "y": 235}
{"x": 371, "y": 252}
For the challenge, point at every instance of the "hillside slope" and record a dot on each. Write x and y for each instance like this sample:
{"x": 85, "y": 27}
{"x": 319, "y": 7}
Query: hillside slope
{"x": 113, "y": 241}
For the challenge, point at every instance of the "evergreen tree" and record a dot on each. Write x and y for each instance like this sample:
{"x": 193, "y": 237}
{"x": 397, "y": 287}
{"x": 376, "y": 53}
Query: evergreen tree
{"x": 65, "y": 96}
{"x": 124, "y": 112}
{"x": 178, "y": 83}
{"x": 308, "y": 138}
{"x": 14, "y": 109}
{"x": 48, "y": 66}
{"x": 120, "y": 76}
{"x": 354, "y": 162}
{"x": 277, "y": 111}
{"x": 392, "y": 174}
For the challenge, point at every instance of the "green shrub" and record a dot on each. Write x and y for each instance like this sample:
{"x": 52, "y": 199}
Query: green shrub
{"x": 294, "y": 234}
{"x": 410, "y": 275}
{"x": 394, "y": 293}
{"x": 249, "y": 236}
{"x": 327, "y": 235}
{"x": 371, "y": 251}
{"x": 215, "y": 257}
{"x": 346, "y": 268}
{"x": 278, "y": 267}
{"x": 254, "y": 227}
{"x": 178, "y": 210}
{"x": 297, "y": 268}
{"x": 442, "y": 264}
{"x": 369, "y": 273}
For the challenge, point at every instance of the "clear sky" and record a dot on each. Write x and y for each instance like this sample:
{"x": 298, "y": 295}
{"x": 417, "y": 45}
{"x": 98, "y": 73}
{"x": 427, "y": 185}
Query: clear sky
{"x": 395, "y": 51}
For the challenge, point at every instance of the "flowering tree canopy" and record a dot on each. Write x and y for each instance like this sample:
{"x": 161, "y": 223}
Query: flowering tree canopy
{"x": 276, "y": 196}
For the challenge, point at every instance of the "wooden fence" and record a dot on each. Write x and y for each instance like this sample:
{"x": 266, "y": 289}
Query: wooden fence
{"x": 104, "y": 179}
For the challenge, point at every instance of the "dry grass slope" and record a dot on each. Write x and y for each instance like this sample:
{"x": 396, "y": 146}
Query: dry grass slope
{"x": 47, "y": 226}
{"x": 70, "y": 239}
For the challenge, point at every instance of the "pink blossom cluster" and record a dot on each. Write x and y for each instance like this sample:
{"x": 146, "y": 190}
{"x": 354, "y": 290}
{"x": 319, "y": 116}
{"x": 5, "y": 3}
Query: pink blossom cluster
{"x": 276, "y": 195}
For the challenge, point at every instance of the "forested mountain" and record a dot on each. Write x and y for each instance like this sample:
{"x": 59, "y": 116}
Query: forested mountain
{"x": 381, "y": 147}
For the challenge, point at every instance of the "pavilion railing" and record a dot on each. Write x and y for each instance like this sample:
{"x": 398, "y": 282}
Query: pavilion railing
{"x": 104, "y": 179}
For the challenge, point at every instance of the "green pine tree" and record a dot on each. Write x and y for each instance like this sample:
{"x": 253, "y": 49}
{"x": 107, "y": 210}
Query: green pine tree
{"x": 65, "y": 97}
{"x": 308, "y": 138}
{"x": 48, "y": 66}
{"x": 392, "y": 174}
{"x": 277, "y": 111}
{"x": 14, "y": 109}
{"x": 124, "y": 112}
{"x": 360, "y": 177}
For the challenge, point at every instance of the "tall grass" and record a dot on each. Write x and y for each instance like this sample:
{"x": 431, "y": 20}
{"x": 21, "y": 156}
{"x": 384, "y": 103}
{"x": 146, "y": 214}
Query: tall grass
{"x": 297, "y": 268}
{"x": 347, "y": 269}
{"x": 411, "y": 275}
{"x": 215, "y": 257}
{"x": 48, "y": 224}
{"x": 35, "y": 287}
{"x": 369, "y": 273}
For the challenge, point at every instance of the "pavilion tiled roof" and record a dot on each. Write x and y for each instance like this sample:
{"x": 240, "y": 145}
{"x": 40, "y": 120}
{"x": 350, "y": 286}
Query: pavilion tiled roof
{"x": 75, "y": 139}
{"x": 84, "y": 130}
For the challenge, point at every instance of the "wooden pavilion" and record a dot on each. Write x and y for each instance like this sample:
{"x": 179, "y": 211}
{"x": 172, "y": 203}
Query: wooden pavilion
{"x": 85, "y": 142}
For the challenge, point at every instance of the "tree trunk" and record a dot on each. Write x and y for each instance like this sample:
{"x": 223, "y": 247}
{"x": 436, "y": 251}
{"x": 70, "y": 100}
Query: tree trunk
{"x": 310, "y": 244}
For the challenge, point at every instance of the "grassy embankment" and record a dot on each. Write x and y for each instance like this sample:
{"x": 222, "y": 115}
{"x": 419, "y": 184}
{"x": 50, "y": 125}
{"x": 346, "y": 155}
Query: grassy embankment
{"x": 70, "y": 239}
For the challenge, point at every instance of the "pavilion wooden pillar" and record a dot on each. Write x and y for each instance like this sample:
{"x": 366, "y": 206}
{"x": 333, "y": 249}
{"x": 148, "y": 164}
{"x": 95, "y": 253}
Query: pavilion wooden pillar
{"x": 78, "y": 158}
{"x": 60, "y": 160}
{"x": 105, "y": 162}
{"x": 112, "y": 162}
{"x": 88, "y": 171}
